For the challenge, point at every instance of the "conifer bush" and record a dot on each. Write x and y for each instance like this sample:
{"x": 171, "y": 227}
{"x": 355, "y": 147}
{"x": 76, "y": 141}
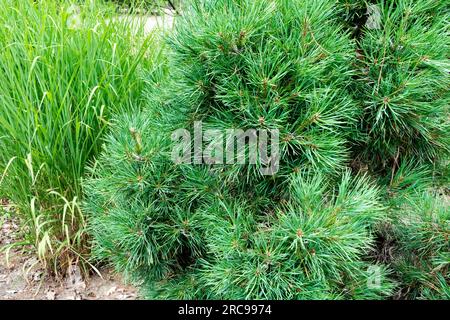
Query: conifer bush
{"x": 268, "y": 64}
{"x": 403, "y": 84}
{"x": 313, "y": 247}
{"x": 135, "y": 197}
{"x": 314, "y": 229}
{"x": 414, "y": 238}
{"x": 153, "y": 222}
{"x": 422, "y": 256}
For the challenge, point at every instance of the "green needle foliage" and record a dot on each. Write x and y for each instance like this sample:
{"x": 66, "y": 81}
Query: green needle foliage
{"x": 64, "y": 71}
{"x": 174, "y": 229}
{"x": 354, "y": 14}
{"x": 340, "y": 91}
{"x": 312, "y": 247}
{"x": 402, "y": 84}
{"x": 414, "y": 240}
{"x": 154, "y": 5}
{"x": 225, "y": 231}
{"x": 281, "y": 65}
{"x": 422, "y": 257}
{"x": 139, "y": 219}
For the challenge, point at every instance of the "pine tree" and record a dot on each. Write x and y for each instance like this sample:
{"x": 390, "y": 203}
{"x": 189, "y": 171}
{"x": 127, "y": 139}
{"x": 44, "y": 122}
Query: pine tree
{"x": 414, "y": 238}
{"x": 313, "y": 230}
{"x": 140, "y": 219}
{"x": 314, "y": 246}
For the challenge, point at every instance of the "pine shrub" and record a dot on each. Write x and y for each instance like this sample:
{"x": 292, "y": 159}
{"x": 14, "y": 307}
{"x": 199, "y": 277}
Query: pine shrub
{"x": 314, "y": 246}
{"x": 422, "y": 256}
{"x": 319, "y": 74}
{"x": 414, "y": 240}
{"x": 139, "y": 219}
{"x": 266, "y": 65}
{"x": 174, "y": 229}
{"x": 402, "y": 84}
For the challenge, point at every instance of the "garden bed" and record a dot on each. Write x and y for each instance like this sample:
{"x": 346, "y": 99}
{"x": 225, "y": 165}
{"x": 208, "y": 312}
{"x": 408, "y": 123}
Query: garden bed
{"x": 22, "y": 276}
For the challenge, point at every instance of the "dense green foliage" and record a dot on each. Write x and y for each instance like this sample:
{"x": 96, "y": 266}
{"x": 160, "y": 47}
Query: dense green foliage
{"x": 342, "y": 92}
{"x": 316, "y": 72}
{"x": 64, "y": 71}
{"x": 138, "y": 185}
{"x": 175, "y": 228}
{"x": 357, "y": 89}
{"x": 264, "y": 65}
{"x": 402, "y": 86}
{"x": 154, "y": 5}
{"x": 422, "y": 258}
{"x": 415, "y": 241}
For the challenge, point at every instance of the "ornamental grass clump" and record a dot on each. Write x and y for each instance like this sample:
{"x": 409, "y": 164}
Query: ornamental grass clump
{"x": 64, "y": 71}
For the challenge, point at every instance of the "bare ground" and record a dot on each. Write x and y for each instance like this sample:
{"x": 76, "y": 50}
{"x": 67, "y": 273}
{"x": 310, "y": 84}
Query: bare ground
{"x": 22, "y": 277}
